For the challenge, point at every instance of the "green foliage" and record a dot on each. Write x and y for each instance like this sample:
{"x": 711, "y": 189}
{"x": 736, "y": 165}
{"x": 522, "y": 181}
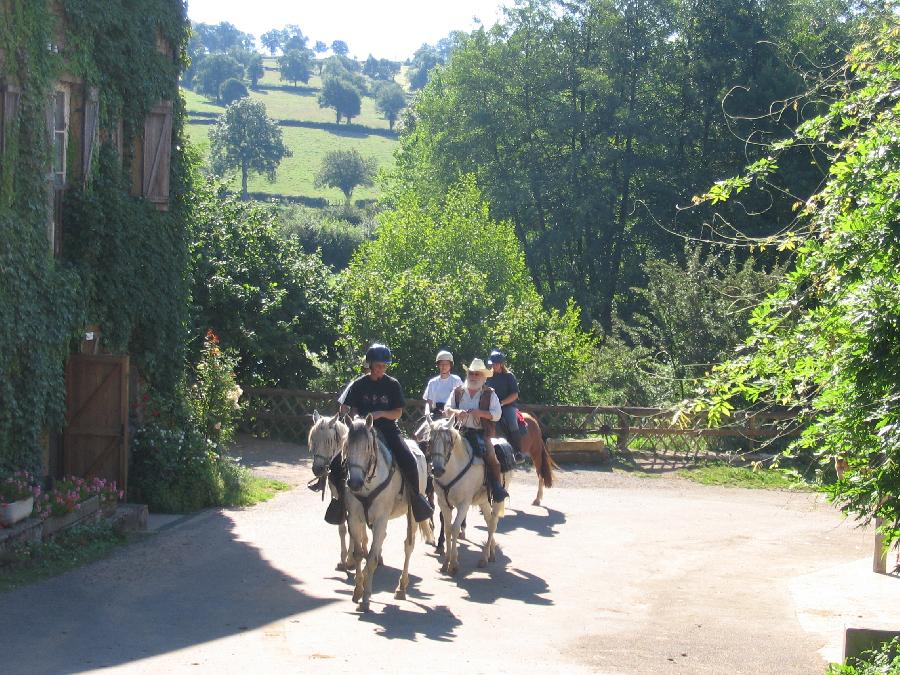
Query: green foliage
{"x": 739, "y": 476}
{"x": 221, "y": 37}
{"x": 828, "y": 339}
{"x": 340, "y": 94}
{"x": 255, "y": 69}
{"x": 690, "y": 315}
{"x": 73, "y": 548}
{"x": 272, "y": 40}
{"x": 213, "y": 71}
{"x": 345, "y": 170}
{"x": 245, "y": 139}
{"x": 588, "y": 123}
{"x": 294, "y": 65}
{"x": 259, "y": 292}
{"x": 45, "y": 301}
{"x": 883, "y": 661}
{"x": 232, "y": 90}
{"x": 334, "y": 237}
{"x": 214, "y": 392}
{"x": 390, "y": 99}
{"x": 447, "y": 275}
{"x": 340, "y": 47}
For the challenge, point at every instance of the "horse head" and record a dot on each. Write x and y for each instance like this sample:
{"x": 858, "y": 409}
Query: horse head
{"x": 360, "y": 452}
{"x": 443, "y": 438}
{"x": 325, "y": 438}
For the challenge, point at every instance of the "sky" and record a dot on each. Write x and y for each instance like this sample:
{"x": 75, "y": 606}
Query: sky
{"x": 391, "y": 29}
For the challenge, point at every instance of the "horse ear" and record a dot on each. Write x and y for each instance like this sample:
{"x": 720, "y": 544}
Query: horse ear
{"x": 369, "y": 421}
{"x": 316, "y": 416}
{"x": 334, "y": 419}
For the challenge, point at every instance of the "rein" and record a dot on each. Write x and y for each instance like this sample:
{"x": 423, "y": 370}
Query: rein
{"x": 446, "y": 488}
{"x": 368, "y": 499}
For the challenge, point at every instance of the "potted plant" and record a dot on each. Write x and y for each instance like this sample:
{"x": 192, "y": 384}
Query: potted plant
{"x": 17, "y": 493}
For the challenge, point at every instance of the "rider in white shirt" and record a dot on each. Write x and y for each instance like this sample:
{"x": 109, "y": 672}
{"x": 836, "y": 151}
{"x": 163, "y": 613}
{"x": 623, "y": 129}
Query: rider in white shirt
{"x": 439, "y": 388}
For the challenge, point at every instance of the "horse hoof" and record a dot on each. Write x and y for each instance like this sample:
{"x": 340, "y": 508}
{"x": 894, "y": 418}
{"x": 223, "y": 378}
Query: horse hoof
{"x": 400, "y": 595}
{"x": 364, "y": 607}
{"x": 462, "y": 533}
{"x": 536, "y": 502}
{"x": 445, "y": 569}
{"x": 340, "y": 567}
{"x": 492, "y": 558}
{"x": 439, "y": 550}
{"x": 454, "y": 570}
{"x": 482, "y": 562}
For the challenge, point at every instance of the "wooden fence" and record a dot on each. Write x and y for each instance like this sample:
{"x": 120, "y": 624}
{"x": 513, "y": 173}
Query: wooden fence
{"x": 286, "y": 414}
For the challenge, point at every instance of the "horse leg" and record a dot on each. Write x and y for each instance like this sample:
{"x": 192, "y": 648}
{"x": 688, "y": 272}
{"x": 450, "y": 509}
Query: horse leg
{"x": 446, "y": 523}
{"x": 357, "y": 541}
{"x": 487, "y": 553}
{"x": 345, "y": 562}
{"x": 408, "y": 547}
{"x": 379, "y": 531}
{"x": 453, "y": 542}
{"x": 439, "y": 548}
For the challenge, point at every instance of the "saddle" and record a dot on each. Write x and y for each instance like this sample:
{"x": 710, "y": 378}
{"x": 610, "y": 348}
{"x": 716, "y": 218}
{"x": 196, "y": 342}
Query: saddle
{"x": 505, "y": 454}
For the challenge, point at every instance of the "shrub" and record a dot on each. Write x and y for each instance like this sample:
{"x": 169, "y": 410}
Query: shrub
{"x": 231, "y": 90}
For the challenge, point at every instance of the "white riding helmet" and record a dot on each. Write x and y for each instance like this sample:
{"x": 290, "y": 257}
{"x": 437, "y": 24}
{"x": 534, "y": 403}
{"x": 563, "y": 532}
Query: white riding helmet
{"x": 443, "y": 355}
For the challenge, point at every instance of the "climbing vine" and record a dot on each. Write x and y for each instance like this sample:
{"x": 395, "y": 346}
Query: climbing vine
{"x": 125, "y": 264}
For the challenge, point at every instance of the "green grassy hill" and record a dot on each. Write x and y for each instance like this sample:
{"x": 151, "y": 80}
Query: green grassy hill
{"x": 309, "y": 131}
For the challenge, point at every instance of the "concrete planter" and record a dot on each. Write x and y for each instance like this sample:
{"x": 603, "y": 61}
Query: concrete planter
{"x": 12, "y": 513}
{"x": 87, "y": 509}
{"x": 578, "y": 450}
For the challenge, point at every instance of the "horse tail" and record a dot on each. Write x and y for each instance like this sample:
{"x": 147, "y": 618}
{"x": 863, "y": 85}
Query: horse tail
{"x": 547, "y": 465}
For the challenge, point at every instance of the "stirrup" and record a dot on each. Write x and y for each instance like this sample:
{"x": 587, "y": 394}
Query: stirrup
{"x": 519, "y": 457}
{"x": 317, "y": 484}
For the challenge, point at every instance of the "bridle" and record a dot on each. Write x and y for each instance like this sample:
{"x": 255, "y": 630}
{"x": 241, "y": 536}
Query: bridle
{"x": 371, "y": 465}
{"x": 446, "y": 454}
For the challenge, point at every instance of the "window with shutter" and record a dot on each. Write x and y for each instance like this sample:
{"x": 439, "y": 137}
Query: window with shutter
{"x": 157, "y": 151}
{"x": 91, "y": 130}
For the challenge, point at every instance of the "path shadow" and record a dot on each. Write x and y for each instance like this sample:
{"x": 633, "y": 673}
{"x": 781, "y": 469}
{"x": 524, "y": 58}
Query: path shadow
{"x": 486, "y": 585}
{"x": 189, "y": 585}
{"x": 541, "y": 524}
{"x": 394, "y": 622}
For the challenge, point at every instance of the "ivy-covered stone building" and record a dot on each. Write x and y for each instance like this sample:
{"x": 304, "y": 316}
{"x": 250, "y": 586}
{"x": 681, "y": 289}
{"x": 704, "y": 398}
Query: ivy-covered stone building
{"x": 93, "y": 225}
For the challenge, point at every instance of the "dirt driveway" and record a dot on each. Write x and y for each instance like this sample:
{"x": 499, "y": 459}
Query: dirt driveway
{"x": 615, "y": 574}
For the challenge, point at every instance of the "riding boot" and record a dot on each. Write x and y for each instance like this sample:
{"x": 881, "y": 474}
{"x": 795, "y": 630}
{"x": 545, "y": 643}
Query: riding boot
{"x": 422, "y": 510}
{"x": 498, "y": 492}
{"x": 335, "y": 514}
{"x": 515, "y": 440}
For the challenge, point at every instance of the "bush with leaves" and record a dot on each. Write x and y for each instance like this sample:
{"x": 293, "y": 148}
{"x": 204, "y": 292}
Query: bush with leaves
{"x": 232, "y": 90}
{"x": 215, "y": 396}
{"x": 265, "y": 298}
{"x": 330, "y": 233}
{"x": 346, "y": 170}
{"x": 828, "y": 339}
{"x": 446, "y": 275}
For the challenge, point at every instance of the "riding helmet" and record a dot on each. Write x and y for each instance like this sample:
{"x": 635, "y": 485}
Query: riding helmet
{"x": 378, "y": 353}
{"x": 496, "y": 357}
{"x": 443, "y": 355}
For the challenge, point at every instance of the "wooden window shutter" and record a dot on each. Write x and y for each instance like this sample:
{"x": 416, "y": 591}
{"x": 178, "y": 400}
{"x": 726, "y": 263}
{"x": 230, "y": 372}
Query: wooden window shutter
{"x": 91, "y": 130}
{"x": 157, "y": 151}
{"x": 9, "y": 107}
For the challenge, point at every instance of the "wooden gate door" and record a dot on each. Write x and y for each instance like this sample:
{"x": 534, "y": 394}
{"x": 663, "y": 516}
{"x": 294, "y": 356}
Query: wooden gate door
{"x": 95, "y": 440}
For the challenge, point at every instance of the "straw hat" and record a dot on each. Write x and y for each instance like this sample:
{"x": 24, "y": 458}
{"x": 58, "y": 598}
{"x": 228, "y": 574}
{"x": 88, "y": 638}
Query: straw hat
{"x": 477, "y": 366}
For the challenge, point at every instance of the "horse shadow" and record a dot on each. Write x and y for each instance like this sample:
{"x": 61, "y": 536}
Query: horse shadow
{"x": 542, "y": 525}
{"x": 501, "y": 580}
{"x": 437, "y": 623}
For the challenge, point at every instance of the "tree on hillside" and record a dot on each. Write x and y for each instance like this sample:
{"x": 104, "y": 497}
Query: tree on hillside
{"x": 346, "y": 170}
{"x": 294, "y": 66}
{"x": 255, "y": 69}
{"x": 423, "y": 62}
{"x": 245, "y": 139}
{"x": 213, "y": 71}
{"x": 272, "y": 40}
{"x": 341, "y": 95}
{"x": 221, "y": 37}
{"x": 231, "y": 90}
{"x": 446, "y": 273}
{"x": 390, "y": 99}
{"x": 340, "y": 48}
{"x": 827, "y": 341}
{"x": 380, "y": 69}
{"x": 320, "y": 47}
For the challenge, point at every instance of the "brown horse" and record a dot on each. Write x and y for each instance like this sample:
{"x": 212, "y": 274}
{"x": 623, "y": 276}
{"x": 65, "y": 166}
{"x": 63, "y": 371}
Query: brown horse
{"x": 533, "y": 445}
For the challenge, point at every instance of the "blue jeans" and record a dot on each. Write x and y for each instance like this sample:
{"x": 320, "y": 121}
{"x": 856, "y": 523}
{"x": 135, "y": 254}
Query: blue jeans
{"x": 510, "y": 423}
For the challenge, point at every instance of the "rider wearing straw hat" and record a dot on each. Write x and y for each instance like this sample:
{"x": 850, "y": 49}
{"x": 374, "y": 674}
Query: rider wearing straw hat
{"x": 477, "y": 408}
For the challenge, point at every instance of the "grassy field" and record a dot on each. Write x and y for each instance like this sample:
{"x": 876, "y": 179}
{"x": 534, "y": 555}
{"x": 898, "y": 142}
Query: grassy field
{"x": 309, "y": 131}
{"x": 736, "y": 476}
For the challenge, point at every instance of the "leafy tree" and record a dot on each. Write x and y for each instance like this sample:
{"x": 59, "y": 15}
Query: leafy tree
{"x": 294, "y": 38}
{"x": 424, "y": 60}
{"x": 231, "y": 90}
{"x": 445, "y": 273}
{"x": 341, "y": 95}
{"x": 222, "y": 37}
{"x": 390, "y": 99}
{"x": 294, "y": 65}
{"x": 255, "y": 69}
{"x": 213, "y": 71}
{"x": 340, "y": 48}
{"x": 380, "y": 69}
{"x": 345, "y": 69}
{"x": 828, "y": 339}
{"x": 272, "y": 40}
{"x": 245, "y": 139}
{"x": 264, "y": 297}
{"x": 346, "y": 170}
{"x": 320, "y": 47}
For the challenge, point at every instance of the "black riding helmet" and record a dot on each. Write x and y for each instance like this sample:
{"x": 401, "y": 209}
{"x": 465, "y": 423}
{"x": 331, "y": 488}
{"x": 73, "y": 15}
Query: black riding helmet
{"x": 378, "y": 353}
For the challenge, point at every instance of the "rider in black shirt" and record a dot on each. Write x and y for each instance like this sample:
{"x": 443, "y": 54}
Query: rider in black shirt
{"x": 381, "y": 395}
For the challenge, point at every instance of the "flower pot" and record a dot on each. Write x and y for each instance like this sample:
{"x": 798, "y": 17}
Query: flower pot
{"x": 12, "y": 513}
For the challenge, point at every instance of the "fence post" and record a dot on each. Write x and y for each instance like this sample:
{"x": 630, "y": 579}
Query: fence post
{"x": 624, "y": 434}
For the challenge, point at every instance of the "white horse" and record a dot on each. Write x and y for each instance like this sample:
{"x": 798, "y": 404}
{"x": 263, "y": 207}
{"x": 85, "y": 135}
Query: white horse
{"x": 459, "y": 482}
{"x": 375, "y": 494}
{"x": 325, "y": 440}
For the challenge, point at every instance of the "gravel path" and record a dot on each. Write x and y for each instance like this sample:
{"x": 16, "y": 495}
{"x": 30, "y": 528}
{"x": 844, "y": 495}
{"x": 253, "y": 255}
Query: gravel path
{"x": 615, "y": 574}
